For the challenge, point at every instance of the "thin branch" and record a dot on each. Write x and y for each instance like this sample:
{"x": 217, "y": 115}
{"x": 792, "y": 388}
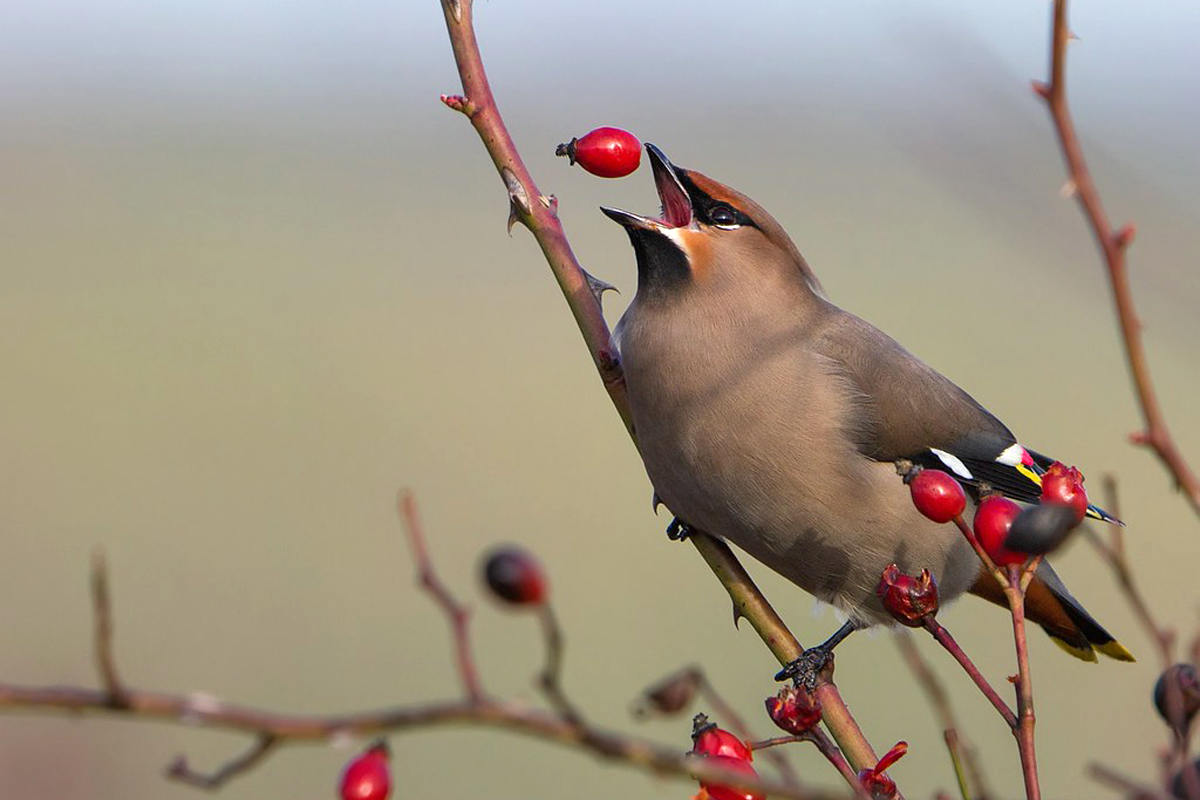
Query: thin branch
{"x": 550, "y": 679}
{"x": 182, "y": 772}
{"x": 1025, "y": 716}
{"x": 834, "y": 756}
{"x": 539, "y": 213}
{"x": 1129, "y": 788}
{"x": 952, "y": 647}
{"x": 456, "y": 613}
{"x": 1113, "y": 245}
{"x": 1114, "y": 553}
{"x": 206, "y": 711}
{"x": 102, "y": 615}
{"x": 966, "y": 766}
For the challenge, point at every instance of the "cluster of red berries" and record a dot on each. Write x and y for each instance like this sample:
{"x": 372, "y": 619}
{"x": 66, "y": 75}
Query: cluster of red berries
{"x": 1008, "y": 533}
{"x": 721, "y": 748}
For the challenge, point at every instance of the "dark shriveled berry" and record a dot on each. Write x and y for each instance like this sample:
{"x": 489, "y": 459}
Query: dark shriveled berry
{"x": 515, "y": 576}
{"x": 910, "y": 600}
{"x": 1177, "y": 695}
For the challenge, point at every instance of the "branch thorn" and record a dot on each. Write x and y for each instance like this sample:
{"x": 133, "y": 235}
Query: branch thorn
{"x": 518, "y": 198}
{"x": 1069, "y": 188}
{"x": 1042, "y": 89}
{"x": 1124, "y": 237}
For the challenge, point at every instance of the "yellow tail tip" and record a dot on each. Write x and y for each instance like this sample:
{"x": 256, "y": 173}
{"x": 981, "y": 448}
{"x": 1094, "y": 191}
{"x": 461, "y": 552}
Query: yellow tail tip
{"x": 1115, "y": 649}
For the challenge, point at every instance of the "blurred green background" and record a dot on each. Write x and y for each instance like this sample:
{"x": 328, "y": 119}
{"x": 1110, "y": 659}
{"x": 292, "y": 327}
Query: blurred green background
{"x": 256, "y": 279}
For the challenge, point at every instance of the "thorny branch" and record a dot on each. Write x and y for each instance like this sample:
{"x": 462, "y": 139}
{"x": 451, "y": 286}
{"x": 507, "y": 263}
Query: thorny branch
{"x": 539, "y": 213}
{"x": 1113, "y": 245}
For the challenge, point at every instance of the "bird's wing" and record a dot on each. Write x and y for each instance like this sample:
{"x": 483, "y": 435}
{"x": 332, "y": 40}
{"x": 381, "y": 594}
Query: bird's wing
{"x": 907, "y": 410}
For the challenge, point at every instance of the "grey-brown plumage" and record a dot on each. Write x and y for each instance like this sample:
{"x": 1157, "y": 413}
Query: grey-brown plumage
{"x": 768, "y": 415}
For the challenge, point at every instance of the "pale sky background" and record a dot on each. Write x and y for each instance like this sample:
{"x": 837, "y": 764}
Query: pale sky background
{"x": 257, "y": 280}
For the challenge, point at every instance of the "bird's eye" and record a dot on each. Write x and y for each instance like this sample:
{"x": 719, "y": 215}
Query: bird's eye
{"x": 723, "y": 217}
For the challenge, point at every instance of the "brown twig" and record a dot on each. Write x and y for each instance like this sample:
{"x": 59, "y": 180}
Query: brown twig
{"x": 550, "y": 679}
{"x": 1113, "y": 552}
{"x": 966, "y": 765}
{"x": 1014, "y": 580}
{"x": 1129, "y": 788}
{"x": 106, "y": 664}
{"x": 834, "y": 756}
{"x": 182, "y": 772}
{"x": 456, "y": 613}
{"x": 1024, "y": 686}
{"x": 952, "y": 647}
{"x": 518, "y": 718}
{"x": 1113, "y": 245}
{"x": 539, "y": 213}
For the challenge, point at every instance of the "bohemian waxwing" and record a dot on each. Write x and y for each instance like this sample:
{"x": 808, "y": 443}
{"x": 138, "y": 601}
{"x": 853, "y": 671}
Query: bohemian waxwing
{"x": 769, "y": 416}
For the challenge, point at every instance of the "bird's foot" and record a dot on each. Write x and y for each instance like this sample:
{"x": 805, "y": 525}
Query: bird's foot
{"x": 678, "y": 530}
{"x": 815, "y": 665}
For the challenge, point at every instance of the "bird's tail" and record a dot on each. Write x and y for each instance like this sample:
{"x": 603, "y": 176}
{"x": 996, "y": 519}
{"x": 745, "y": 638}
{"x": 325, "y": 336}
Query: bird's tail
{"x": 1049, "y": 604}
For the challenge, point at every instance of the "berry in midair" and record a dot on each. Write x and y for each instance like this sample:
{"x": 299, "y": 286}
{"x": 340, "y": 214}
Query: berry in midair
{"x": 937, "y": 495}
{"x": 515, "y": 576}
{"x": 368, "y": 777}
{"x": 1063, "y": 485}
{"x": 993, "y": 519}
{"x": 607, "y": 152}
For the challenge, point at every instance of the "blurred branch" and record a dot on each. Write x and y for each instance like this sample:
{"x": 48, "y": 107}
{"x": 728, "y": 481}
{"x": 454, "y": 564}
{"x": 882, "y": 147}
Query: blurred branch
{"x": 456, "y": 613}
{"x": 1113, "y": 552}
{"x": 1113, "y": 245}
{"x": 539, "y": 213}
{"x": 273, "y": 729}
{"x": 962, "y": 753}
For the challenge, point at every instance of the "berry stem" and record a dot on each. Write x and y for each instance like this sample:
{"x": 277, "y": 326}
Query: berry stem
{"x": 1024, "y": 687}
{"x": 550, "y": 679}
{"x": 952, "y": 647}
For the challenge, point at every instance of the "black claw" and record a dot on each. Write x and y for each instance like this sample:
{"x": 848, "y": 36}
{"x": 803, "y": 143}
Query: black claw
{"x": 678, "y": 530}
{"x": 806, "y": 670}
{"x": 816, "y": 663}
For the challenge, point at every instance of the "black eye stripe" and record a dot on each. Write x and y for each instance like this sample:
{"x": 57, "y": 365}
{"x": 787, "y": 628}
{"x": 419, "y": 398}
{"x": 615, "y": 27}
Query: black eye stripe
{"x": 704, "y": 205}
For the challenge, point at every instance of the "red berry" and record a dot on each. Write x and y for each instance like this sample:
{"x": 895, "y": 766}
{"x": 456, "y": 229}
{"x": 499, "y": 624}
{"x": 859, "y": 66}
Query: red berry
{"x": 607, "y": 152}
{"x": 794, "y": 709}
{"x": 367, "y": 777}
{"x": 709, "y": 740}
{"x": 937, "y": 495}
{"x": 719, "y": 792}
{"x": 910, "y": 600}
{"x": 874, "y": 779}
{"x": 1064, "y": 485}
{"x": 993, "y": 519}
{"x": 515, "y": 576}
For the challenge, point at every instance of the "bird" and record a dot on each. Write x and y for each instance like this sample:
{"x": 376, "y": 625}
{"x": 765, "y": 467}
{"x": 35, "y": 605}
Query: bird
{"x": 771, "y": 417}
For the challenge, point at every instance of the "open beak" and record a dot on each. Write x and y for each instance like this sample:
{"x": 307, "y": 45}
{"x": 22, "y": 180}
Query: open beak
{"x": 676, "y": 205}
